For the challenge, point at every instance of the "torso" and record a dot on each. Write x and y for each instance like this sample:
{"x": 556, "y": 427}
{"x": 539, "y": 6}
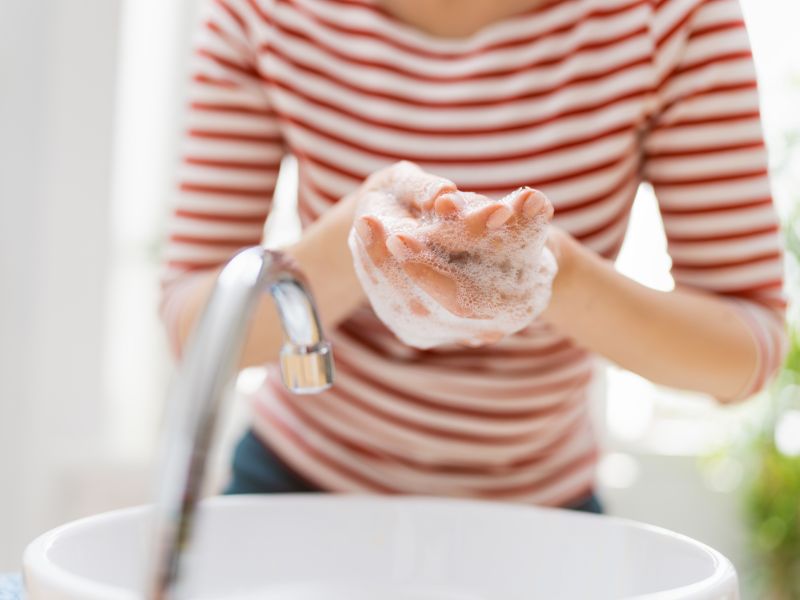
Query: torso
{"x": 555, "y": 99}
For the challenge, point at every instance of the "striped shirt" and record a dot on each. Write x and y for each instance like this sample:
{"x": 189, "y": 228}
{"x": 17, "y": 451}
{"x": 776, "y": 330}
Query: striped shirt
{"x": 583, "y": 99}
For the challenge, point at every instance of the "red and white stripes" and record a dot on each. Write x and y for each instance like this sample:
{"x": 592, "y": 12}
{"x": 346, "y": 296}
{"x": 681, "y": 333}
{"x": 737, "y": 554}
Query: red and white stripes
{"x": 583, "y": 99}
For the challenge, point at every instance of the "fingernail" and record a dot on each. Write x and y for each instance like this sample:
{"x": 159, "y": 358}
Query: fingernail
{"x": 499, "y": 217}
{"x": 400, "y": 247}
{"x": 363, "y": 230}
{"x": 532, "y": 205}
{"x": 536, "y": 204}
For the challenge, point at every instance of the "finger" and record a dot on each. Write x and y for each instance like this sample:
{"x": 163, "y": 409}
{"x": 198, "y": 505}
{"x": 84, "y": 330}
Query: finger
{"x": 413, "y": 187}
{"x": 443, "y": 288}
{"x": 489, "y": 217}
{"x": 404, "y": 247}
{"x": 369, "y": 268}
{"x": 528, "y": 203}
{"x": 448, "y": 205}
{"x": 373, "y": 236}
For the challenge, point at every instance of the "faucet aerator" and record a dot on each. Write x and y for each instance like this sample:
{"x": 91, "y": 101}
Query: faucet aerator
{"x": 307, "y": 369}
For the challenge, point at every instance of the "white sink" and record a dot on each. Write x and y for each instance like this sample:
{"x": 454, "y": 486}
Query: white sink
{"x": 368, "y": 548}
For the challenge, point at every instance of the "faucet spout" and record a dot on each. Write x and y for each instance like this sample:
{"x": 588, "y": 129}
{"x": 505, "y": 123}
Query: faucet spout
{"x": 206, "y": 370}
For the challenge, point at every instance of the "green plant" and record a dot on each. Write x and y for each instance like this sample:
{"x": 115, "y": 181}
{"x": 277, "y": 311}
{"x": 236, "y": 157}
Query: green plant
{"x": 772, "y": 505}
{"x": 773, "y": 508}
{"x": 772, "y": 490}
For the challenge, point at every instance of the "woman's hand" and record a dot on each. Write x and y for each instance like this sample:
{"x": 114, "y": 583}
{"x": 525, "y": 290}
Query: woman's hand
{"x": 323, "y": 253}
{"x": 476, "y": 258}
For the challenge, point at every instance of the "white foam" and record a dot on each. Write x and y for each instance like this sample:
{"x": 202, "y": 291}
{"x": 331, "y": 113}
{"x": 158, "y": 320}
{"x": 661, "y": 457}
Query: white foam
{"x": 503, "y": 276}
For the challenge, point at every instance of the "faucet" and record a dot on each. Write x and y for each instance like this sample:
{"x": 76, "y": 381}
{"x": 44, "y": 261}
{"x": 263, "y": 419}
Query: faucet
{"x": 210, "y": 361}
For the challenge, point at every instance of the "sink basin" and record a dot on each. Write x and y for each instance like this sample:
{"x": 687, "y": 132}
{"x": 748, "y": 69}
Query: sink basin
{"x": 309, "y": 547}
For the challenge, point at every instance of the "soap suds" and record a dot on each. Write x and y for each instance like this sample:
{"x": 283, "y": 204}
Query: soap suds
{"x": 501, "y": 276}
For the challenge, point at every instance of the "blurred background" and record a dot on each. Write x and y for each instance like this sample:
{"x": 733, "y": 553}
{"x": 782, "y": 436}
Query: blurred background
{"x": 90, "y": 110}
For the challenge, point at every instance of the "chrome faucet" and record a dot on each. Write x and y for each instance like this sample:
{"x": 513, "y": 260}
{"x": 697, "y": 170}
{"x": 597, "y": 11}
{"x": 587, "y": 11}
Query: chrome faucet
{"x": 210, "y": 361}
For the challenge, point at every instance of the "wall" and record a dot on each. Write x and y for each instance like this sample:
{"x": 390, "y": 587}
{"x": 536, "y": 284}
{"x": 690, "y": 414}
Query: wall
{"x": 57, "y": 59}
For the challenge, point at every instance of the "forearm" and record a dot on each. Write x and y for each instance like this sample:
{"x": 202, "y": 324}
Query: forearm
{"x": 683, "y": 338}
{"x": 323, "y": 257}
{"x": 264, "y": 335}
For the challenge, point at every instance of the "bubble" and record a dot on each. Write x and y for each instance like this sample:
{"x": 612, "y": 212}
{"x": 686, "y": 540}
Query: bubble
{"x": 503, "y": 276}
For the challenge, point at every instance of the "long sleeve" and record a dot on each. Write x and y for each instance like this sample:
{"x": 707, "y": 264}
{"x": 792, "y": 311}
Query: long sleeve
{"x": 706, "y": 159}
{"x": 231, "y": 155}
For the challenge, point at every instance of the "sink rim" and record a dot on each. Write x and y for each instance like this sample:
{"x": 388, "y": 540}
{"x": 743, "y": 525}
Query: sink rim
{"x": 37, "y": 563}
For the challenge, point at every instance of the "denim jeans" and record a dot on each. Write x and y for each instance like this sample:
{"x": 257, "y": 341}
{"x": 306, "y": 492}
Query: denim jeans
{"x": 257, "y": 470}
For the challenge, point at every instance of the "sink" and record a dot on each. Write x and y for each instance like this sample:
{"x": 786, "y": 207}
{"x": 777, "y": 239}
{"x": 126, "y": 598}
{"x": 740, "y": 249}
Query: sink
{"x": 327, "y": 547}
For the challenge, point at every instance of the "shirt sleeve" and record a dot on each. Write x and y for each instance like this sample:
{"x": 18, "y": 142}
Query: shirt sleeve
{"x": 231, "y": 154}
{"x": 706, "y": 159}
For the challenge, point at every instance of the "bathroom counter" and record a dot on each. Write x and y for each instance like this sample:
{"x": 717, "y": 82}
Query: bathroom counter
{"x": 11, "y": 587}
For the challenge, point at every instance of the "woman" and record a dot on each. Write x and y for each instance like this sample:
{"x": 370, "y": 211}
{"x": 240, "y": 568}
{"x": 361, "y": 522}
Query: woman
{"x": 581, "y": 99}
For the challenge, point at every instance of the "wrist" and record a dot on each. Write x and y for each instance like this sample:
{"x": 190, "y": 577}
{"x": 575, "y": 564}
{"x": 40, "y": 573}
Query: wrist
{"x": 324, "y": 257}
{"x": 567, "y": 252}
